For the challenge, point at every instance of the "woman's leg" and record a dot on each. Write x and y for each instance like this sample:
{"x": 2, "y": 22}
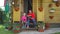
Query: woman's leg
{"x": 34, "y": 22}
{"x": 28, "y": 23}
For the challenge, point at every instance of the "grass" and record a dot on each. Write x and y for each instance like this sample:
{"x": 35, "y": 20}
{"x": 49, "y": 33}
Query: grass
{"x": 57, "y": 33}
{"x": 4, "y": 31}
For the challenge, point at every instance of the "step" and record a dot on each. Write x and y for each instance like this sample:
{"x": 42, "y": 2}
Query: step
{"x": 29, "y": 29}
{"x": 54, "y": 25}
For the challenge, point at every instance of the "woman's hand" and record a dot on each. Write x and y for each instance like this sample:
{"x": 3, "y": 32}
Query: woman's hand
{"x": 28, "y": 15}
{"x": 32, "y": 18}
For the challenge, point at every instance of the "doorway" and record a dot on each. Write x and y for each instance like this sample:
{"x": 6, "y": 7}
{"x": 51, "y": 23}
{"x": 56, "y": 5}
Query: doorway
{"x": 27, "y": 7}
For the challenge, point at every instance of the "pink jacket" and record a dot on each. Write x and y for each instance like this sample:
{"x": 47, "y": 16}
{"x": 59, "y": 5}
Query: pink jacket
{"x": 24, "y": 18}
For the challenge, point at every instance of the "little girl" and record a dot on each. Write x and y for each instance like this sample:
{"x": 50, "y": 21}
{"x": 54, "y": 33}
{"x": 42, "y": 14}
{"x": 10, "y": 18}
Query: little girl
{"x": 24, "y": 20}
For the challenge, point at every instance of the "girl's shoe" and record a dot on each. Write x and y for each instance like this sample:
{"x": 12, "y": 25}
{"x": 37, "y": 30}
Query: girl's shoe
{"x": 23, "y": 27}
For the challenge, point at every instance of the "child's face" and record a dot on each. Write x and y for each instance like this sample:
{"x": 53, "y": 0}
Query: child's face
{"x": 24, "y": 14}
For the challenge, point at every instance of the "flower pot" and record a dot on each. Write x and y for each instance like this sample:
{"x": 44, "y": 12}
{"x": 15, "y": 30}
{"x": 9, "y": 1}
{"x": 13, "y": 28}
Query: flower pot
{"x": 50, "y": 5}
{"x": 16, "y": 31}
{"x": 40, "y": 9}
{"x": 52, "y": 11}
{"x": 55, "y": 1}
{"x": 16, "y": 8}
{"x": 51, "y": 17}
{"x": 57, "y": 4}
{"x": 47, "y": 25}
{"x": 10, "y": 28}
{"x": 17, "y": 27}
{"x": 41, "y": 30}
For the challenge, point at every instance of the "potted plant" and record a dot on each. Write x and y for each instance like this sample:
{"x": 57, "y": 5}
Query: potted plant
{"x": 55, "y": 1}
{"x": 41, "y": 26}
{"x": 47, "y": 25}
{"x": 8, "y": 26}
{"x": 52, "y": 10}
{"x": 16, "y": 28}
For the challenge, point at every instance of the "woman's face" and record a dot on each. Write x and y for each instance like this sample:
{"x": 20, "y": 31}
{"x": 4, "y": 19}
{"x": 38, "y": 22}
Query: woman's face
{"x": 30, "y": 11}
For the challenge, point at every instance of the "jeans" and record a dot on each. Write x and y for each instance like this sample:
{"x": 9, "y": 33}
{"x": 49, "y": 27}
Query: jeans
{"x": 28, "y": 22}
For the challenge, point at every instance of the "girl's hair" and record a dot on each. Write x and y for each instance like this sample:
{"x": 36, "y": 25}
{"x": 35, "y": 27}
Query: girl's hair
{"x": 23, "y": 13}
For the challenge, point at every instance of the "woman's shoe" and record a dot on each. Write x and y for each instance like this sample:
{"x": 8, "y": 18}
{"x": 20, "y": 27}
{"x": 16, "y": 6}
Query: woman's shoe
{"x": 27, "y": 26}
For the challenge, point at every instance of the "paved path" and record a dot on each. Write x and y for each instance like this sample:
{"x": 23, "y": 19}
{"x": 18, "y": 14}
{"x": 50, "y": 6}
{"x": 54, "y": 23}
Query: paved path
{"x": 49, "y": 31}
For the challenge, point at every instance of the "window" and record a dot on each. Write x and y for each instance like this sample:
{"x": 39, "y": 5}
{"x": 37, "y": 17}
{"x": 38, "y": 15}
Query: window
{"x": 2, "y": 5}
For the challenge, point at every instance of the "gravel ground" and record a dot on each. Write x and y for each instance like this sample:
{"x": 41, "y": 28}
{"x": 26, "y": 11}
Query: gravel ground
{"x": 49, "y": 31}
